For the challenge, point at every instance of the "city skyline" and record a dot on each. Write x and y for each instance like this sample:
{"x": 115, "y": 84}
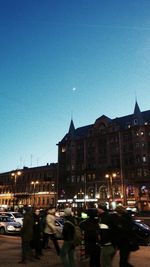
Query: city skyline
{"x": 67, "y": 59}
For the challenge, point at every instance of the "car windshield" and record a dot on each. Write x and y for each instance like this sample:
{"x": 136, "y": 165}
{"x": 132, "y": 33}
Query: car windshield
{"x": 17, "y": 215}
{"x": 143, "y": 225}
{"x": 7, "y": 219}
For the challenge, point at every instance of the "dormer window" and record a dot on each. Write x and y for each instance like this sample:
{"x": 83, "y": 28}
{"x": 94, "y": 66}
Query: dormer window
{"x": 135, "y": 121}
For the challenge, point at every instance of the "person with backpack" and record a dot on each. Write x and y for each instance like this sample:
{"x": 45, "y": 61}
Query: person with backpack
{"x": 91, "y": 232}
{"x": 68, "y": 233}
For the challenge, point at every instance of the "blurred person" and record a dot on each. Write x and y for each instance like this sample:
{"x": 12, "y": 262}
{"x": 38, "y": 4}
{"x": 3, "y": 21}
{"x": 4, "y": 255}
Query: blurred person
{"x": 124, "y": 235}
{"x": 92, "y": 236}
{"x": 36, "y": 242}
{"x": 27, "y": 234}
{"x": 108, "y": 246}
{"x": 68, "y": 247}
{"x": 51, "y": 229}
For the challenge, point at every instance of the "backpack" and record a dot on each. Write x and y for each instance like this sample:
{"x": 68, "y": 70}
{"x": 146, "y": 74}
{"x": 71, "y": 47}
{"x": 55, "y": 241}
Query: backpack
{"x": 77, "y": 234}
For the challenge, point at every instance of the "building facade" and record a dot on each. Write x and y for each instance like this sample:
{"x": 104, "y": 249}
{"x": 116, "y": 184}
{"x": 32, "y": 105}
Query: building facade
{"x": 35, "y": 186}
{"x": 108, "y": 161}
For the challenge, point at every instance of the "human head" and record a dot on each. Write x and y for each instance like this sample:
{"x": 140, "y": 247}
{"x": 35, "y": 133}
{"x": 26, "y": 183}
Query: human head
{"x": 37, "y": 211}
{"x": 51, "y": 211}
{"x": 67, "y": 212}
{"x": 102, "y": 208}
{"x": 121, "y": 210}
{"x": 27, "y": 209}
{"x": 92, "y": 213}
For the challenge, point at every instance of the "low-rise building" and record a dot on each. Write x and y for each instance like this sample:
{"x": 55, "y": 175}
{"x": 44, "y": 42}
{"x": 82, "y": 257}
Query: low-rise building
{"x": 36, "y": 186}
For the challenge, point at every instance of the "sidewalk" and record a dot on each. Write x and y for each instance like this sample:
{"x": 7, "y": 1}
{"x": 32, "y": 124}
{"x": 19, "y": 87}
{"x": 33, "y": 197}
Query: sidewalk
{"x": 10, "y": 254}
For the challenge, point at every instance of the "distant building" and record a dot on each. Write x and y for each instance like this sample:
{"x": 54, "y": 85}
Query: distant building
{"x": 108, "y": 161}
{"x": 35, "y": 186}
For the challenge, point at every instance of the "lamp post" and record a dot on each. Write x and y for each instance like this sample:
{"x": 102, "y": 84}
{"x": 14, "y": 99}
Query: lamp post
{"x": 110, "y": 184}
{"x": 34, "y": 183}
{"x": 14, "y": 175}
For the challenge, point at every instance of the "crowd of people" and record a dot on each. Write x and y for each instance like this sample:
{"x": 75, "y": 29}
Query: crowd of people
{"x": 100, "y": 235}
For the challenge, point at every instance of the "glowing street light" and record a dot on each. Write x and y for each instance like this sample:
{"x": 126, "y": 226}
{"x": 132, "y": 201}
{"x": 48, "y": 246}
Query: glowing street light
{"x": 34, "y": 183}
{"x": 110, "y": 184}
{"x": 15, "y": 175}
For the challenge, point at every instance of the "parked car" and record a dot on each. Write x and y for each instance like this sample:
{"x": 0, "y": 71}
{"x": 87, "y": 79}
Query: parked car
{"x": 8, "y": 225}
{"x": 142, "y": 232}
{"x": 17, "y": 216}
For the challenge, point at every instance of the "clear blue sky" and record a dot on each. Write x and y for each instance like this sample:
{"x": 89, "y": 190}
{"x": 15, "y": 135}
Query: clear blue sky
{"x": 63, "y": 58}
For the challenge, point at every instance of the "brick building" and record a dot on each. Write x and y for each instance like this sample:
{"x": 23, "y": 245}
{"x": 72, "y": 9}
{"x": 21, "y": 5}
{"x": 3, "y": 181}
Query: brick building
{"x": 108, "y": 160}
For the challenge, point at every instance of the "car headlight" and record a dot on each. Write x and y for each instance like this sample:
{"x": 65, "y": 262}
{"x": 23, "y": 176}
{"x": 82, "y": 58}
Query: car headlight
{"x": 10, "y": 228}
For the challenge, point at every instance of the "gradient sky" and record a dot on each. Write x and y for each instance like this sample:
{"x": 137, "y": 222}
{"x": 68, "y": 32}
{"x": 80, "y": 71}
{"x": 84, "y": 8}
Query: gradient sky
{"x": 67, "y": 58}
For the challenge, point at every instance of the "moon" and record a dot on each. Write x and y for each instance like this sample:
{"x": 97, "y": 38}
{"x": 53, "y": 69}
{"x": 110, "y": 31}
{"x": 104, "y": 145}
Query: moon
{"x": 73, "y": 89}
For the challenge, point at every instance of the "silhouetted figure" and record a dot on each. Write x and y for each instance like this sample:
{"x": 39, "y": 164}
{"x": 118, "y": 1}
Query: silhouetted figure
{"x": 91, "y": 231}
{"x": 27, "y": 234}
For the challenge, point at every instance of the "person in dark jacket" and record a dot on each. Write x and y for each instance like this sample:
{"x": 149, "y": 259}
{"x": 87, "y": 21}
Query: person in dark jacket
{"x": 68, "y": 248}
{"x": 36, "y": 242}
{"x": 91, "y": 232}
{"x": 27, "y": 234}
{"x": 124, "y": 234}
{"x": 106, "y": 225}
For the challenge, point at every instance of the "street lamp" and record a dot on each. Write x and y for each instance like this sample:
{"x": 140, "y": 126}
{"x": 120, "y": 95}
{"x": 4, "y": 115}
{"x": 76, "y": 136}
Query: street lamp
{"x": 14, "y": 175}
{"x": 34, "y": 183}
{"x": 110, "y": 184}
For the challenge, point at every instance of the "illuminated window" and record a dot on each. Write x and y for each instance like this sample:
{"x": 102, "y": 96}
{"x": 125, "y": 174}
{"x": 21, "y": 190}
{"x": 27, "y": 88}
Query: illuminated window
{"x": 63, "y": 149}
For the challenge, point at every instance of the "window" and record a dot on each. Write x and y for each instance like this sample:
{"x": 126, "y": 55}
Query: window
{"x": 82, "y": 178}
{"x": 137, "y": 145}
{"x": 135, "y": 121}
{"x": 145, "y": 172}
{"x": 63, "y": 149}
{"x": 139, "y": 172}
{"x": 144, "y": 158}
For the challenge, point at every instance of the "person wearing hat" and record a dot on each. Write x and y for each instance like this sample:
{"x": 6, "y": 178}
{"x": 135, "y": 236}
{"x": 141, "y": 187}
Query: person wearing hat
{"x": 107, "y": 236}
{"x": 50, "y": 228}
{"x": 68, "y": 247}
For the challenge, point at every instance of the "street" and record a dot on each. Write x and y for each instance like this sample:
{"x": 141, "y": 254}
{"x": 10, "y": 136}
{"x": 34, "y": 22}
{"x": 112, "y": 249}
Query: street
{"x": 10, "y": 251}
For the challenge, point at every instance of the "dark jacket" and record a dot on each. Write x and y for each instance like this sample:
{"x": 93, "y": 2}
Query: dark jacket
{"x": 91, "y": 232}
{"x": 124, "y": 232}
{"x": 27, "y": 229}
{"x": 107, "y": 228}
{"x": 69, "y": 228}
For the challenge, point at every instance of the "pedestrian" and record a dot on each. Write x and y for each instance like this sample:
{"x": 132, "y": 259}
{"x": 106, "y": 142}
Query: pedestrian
{"x": 68, "y": 247}
{"x": 124, "y": 235}
{"x": 36, "y": 242}
{"x": 91, "y": 232}
{"x": 27, "y": 234}
{"x": 50, "y": 228}
{"x": 108, "y": 247}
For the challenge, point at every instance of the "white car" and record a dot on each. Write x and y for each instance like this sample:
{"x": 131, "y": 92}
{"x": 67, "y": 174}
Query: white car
{"x": 17, "y": 216}
{"x": 8, "y": 225}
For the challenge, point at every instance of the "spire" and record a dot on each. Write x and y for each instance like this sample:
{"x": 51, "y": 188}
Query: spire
{"x": 137, "y": 115}
{"x": 136, "y": 109}
{"x": 71, "y": 129}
